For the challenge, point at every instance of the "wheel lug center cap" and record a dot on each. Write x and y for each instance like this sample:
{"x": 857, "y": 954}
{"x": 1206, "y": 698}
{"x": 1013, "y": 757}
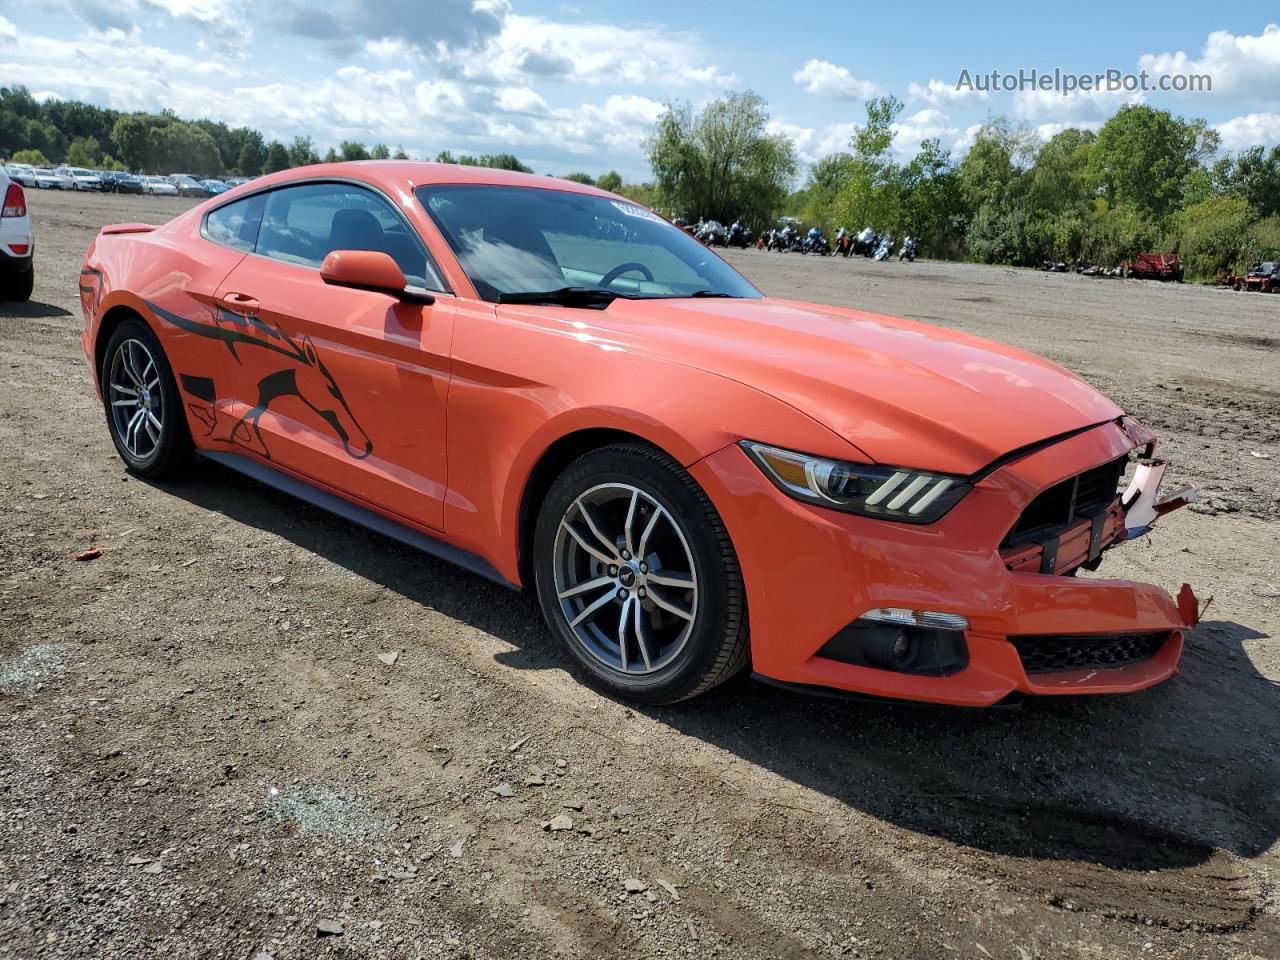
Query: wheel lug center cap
{"x": 627, "y": 576}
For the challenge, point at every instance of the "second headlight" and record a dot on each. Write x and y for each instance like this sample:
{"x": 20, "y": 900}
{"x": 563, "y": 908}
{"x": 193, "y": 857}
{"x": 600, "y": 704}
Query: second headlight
{"x": 889, "y": 493}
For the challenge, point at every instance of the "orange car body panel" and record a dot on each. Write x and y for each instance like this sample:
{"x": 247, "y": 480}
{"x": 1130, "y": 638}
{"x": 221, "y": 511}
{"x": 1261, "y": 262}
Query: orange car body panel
{"x": 436, "y": 415}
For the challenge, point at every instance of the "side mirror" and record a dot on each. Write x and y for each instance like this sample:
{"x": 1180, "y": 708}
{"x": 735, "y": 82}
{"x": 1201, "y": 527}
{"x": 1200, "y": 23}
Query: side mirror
{"x": 370, "y": 270}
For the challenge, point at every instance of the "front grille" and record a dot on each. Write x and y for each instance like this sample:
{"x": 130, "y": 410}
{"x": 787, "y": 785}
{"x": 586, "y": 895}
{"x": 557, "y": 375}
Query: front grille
{"x": 1055, "y": 654}
{"x": 1057, "y": 508}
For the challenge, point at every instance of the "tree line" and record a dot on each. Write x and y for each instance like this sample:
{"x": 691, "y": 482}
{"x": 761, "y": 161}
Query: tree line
{"x": 1147, "y": 180}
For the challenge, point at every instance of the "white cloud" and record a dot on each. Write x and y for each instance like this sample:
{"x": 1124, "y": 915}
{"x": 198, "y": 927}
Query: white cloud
{"x": 928, "y": 124}
{"x": 939, "y": 94}
{"x": 8, "y": 32}
{"x": 825, "y": 79}
{"x": 1078, "y": 108}
{"x": 221, "y": 24}
{"x": 1251, "y": 130}
{"x": 346, "y": 25}
{"x": 395, "y": 105}
{"x": 1245, "y": 65}
{"x": 814, "y": 143}
{"x": 529, "y": 48}
{"x": 964, "y": 143}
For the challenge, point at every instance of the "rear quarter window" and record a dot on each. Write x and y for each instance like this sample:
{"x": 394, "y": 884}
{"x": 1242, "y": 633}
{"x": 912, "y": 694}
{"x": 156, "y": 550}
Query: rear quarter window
{"x": 236, "y": 224}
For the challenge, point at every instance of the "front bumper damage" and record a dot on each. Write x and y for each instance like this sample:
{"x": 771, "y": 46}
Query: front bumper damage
{"x": 812, "y": 576}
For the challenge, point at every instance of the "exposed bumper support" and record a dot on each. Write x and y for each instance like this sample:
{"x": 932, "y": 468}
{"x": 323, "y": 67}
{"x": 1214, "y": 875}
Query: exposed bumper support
{"x": 1141, "y": 508}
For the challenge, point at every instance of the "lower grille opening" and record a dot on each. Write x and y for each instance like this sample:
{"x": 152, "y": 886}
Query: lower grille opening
{"x": 1056, "y": 654}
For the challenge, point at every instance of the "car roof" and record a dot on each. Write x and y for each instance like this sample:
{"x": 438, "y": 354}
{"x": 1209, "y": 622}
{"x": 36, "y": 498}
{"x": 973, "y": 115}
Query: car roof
{"x": 418, "y": 173}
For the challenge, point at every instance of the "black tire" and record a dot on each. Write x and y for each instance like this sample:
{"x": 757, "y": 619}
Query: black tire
{"x": 717, "y": 645}
{"x": 17, "y": 287}
{"x": 173, "y": 451}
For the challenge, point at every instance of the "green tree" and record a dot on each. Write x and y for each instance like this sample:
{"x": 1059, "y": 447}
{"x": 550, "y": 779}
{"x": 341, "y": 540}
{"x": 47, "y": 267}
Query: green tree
{"x": 380, "y": 151}
{"x": 132, "y": 135}
{"x": 277, "y": 158}
{"x": 931, "y": 207}
{"x": 868, "y": 184}
{"x": 580, "y": 178}
{"x": 83, "y": 152}
{"x": 33, "y": 157}
{"x": 399, "y": 154}
{"x": 1253, "y": 175}
{"x": 722, "y": 163}
{"x": 302, "y": 152}
{"x": 331, "y": 156}
{"x": 496, "y": 161}
{"x": 253, "y": 154}
{"x": 1215, "y": 236}
{"x": 1143, "y": 158}
{"x": 187, "y": 148}
{"x": 611, "y": 181}
{"x": 111, "y": 163}
{"x": 351, "y": 150}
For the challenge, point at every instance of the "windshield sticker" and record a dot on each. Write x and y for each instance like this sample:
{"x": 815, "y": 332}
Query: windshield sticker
{"x": 631, "y": 210}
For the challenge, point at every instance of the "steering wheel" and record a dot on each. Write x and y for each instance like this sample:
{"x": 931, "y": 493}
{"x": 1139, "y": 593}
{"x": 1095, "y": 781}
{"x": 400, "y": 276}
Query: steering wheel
{"x": 622, "y": 268}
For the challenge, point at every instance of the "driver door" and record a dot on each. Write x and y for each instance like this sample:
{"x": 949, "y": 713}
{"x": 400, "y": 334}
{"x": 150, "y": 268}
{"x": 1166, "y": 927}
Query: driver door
{"x": 344, "y": 387}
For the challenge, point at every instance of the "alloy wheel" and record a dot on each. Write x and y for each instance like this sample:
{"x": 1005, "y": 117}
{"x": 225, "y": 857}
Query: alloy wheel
{"x": 625, "y": 578}
{"x": 137, "y": 402}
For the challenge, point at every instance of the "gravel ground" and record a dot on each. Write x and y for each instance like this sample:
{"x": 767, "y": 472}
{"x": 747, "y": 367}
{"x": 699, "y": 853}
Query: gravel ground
{"x": 205, "y": 753}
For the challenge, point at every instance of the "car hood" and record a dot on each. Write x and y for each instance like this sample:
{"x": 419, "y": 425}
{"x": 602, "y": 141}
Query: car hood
{"x": 902, "y": 392}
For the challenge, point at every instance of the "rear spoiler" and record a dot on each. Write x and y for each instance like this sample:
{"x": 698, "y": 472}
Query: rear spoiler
{"x": 115, "y": 228}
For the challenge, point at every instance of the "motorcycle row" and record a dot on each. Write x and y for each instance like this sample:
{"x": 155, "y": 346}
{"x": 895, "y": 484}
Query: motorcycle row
{"x": 715, "y": 234}
{"x": 866, "y": 243}
{"x": 787, "y": 239}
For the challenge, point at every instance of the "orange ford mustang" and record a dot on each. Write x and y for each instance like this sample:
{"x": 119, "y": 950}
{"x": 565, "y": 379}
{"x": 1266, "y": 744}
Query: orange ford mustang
{"x": 561, "y": 390}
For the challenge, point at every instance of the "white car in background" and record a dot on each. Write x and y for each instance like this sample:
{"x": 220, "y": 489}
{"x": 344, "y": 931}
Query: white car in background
{"x": 48, "y": 180}
{"x": 158, "y": 187}
{"x": 81, "y": 179}
{"x": 24, "y": 173}
{"x": 17, "y": 244}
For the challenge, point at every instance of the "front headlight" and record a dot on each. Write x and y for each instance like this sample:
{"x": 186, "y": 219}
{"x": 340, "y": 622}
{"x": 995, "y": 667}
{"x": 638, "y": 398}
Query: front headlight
{"x": 890, "y": 493}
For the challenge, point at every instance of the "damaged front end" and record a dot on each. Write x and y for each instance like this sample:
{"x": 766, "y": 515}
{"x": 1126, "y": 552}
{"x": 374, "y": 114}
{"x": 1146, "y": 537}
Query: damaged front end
{"x": 1069, "y": 525}
{"x": 978, "y": 605}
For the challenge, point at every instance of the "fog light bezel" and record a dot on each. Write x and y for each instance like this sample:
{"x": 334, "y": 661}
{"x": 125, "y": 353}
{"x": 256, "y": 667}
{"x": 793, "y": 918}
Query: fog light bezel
{"x": 870, "y": 641}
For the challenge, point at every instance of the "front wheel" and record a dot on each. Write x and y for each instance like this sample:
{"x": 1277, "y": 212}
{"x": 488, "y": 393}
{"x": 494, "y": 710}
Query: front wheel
{"x": 142, "y": 404}
{"x": 637, "y": 577}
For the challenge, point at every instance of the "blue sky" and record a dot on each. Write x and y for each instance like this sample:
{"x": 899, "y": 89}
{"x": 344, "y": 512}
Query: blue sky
{"x": 568, "y": 87}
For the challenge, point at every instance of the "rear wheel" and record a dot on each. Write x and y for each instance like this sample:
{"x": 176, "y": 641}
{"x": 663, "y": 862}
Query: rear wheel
{"x": 636, "y": 575}
{"x": 140, "y": 397}
{"x": 17, "y": 287}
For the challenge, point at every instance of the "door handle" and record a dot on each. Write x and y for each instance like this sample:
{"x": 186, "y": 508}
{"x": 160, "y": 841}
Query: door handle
{"x": 240, "y": 301}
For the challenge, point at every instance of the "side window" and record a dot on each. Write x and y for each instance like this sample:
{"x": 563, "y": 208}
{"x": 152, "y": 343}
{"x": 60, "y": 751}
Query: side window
{"x": 236, "y": 224}
{"x": 303, "y": 224}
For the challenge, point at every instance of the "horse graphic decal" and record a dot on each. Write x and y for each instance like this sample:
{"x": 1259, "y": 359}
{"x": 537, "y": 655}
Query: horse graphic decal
{"x": 90, "y": 290}
{"x": 305, "y": 378}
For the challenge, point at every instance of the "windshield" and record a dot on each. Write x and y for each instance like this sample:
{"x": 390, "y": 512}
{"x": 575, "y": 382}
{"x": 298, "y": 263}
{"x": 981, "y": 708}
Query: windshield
{"x": 518, "y": 240}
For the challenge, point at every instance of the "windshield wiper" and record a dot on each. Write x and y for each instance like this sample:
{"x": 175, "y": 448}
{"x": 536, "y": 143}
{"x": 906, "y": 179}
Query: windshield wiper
{"x": 708, "y": 293}
{"x": 564, "y": 297}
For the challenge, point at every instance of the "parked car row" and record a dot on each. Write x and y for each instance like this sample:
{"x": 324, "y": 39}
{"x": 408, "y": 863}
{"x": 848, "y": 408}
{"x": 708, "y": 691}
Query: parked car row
{"x": 109, "y": 181}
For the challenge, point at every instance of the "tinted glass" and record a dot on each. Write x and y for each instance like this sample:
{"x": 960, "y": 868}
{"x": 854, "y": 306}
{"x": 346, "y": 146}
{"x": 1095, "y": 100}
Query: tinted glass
{"x": 524, "y": 239}
{"x": 236, "y": 224}
{"x": 304, "y": 224}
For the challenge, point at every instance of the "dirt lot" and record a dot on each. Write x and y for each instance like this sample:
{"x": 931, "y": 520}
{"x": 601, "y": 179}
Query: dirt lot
{"x": 202, "y": 754}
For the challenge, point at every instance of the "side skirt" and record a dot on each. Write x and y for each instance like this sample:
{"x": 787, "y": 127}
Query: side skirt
{"x": 357, "y": 514}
